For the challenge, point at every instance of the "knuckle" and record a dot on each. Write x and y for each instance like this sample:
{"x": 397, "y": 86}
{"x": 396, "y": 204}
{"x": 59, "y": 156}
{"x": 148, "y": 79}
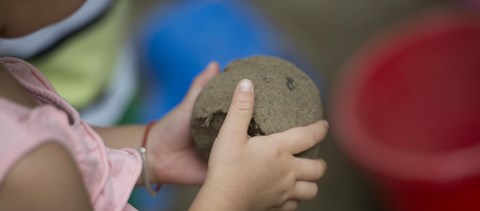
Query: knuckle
{"x": 277, "y": 150}
{"x": 291, "y": 179}
{"x": 274, "y": 152}
{"x": 309, "y": 138}
{"x": 242, "y": 105}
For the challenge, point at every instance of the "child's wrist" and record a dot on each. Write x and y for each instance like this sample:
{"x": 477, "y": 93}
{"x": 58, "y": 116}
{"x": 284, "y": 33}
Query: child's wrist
{"x": 227, "y": 197}
{"x": 229, "y": 189}
{"x": 148, "y": 171}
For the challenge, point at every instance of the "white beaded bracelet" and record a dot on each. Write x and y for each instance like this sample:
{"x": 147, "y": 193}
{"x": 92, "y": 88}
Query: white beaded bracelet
{"x": 143, "y": 151}
{"x": 146, "y": 180}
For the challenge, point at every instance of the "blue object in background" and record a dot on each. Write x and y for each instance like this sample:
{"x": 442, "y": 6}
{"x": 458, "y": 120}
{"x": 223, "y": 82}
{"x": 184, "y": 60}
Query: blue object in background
{"x": 179, "y": 40}
{"x": 176, "y": 41}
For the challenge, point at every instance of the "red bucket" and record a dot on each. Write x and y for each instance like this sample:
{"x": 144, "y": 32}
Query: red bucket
{"x": 407, "y": 109}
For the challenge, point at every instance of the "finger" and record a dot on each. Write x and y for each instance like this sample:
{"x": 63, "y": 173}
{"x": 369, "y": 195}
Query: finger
{"x": 289, "y": 205}
{"x": 240, "y": 112}
{"x": 308, "y": 169}
{"x": 304, "y": 190}
{"x": 199, "y": 83}
{"x": 300, "y": 139}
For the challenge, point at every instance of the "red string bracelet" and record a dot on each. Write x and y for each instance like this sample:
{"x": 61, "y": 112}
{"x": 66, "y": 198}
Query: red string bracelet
{"x": 147, "y": 131}
{"x": 144, "y": 158}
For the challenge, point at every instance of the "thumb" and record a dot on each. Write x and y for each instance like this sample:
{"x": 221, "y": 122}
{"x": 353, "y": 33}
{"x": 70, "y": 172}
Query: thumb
{"x": 240, "y": 113}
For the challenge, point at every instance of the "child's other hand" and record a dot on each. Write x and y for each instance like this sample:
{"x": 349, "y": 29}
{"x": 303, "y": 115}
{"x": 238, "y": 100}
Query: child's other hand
{"x": 172, "y": 155}
{"x": 262, "y": 173}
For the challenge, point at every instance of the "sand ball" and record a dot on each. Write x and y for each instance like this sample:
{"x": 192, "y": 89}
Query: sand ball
{"x": 285, "y": 97}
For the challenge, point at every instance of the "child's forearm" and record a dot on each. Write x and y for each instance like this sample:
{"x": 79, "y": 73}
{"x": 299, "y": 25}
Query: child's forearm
{"x": 122, "y": 137}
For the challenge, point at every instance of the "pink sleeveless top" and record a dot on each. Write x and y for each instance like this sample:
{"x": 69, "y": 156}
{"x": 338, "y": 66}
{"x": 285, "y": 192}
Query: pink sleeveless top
{"x": 109, "y": 174}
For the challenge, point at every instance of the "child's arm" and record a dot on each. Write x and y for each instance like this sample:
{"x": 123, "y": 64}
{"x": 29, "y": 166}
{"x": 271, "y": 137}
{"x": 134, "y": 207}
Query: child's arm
{"x": 45, "y": 179}
{"x": 171, "y": 154}
{"x": 244, "y": 173}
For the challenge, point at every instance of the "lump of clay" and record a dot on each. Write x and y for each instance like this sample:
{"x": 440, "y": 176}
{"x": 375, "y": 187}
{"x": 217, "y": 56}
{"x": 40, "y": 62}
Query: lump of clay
{"x": 285, "y": 97}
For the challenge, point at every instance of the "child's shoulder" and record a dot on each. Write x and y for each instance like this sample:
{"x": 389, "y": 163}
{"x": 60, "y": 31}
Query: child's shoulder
{"x": 35, "y": 86}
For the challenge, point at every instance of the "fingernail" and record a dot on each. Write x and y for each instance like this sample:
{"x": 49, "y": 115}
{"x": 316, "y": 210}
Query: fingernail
{"x": 210, "y": 65}
{"x": 245, "y": 85}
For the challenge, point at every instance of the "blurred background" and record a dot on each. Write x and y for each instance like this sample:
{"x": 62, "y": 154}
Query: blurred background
{"x": 139, "y": 57}
{"x": 317, "y": 35}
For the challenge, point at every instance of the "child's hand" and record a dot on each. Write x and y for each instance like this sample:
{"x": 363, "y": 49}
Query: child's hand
{"x": 260, "y": 173}
{"x": 172, "y": 155}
